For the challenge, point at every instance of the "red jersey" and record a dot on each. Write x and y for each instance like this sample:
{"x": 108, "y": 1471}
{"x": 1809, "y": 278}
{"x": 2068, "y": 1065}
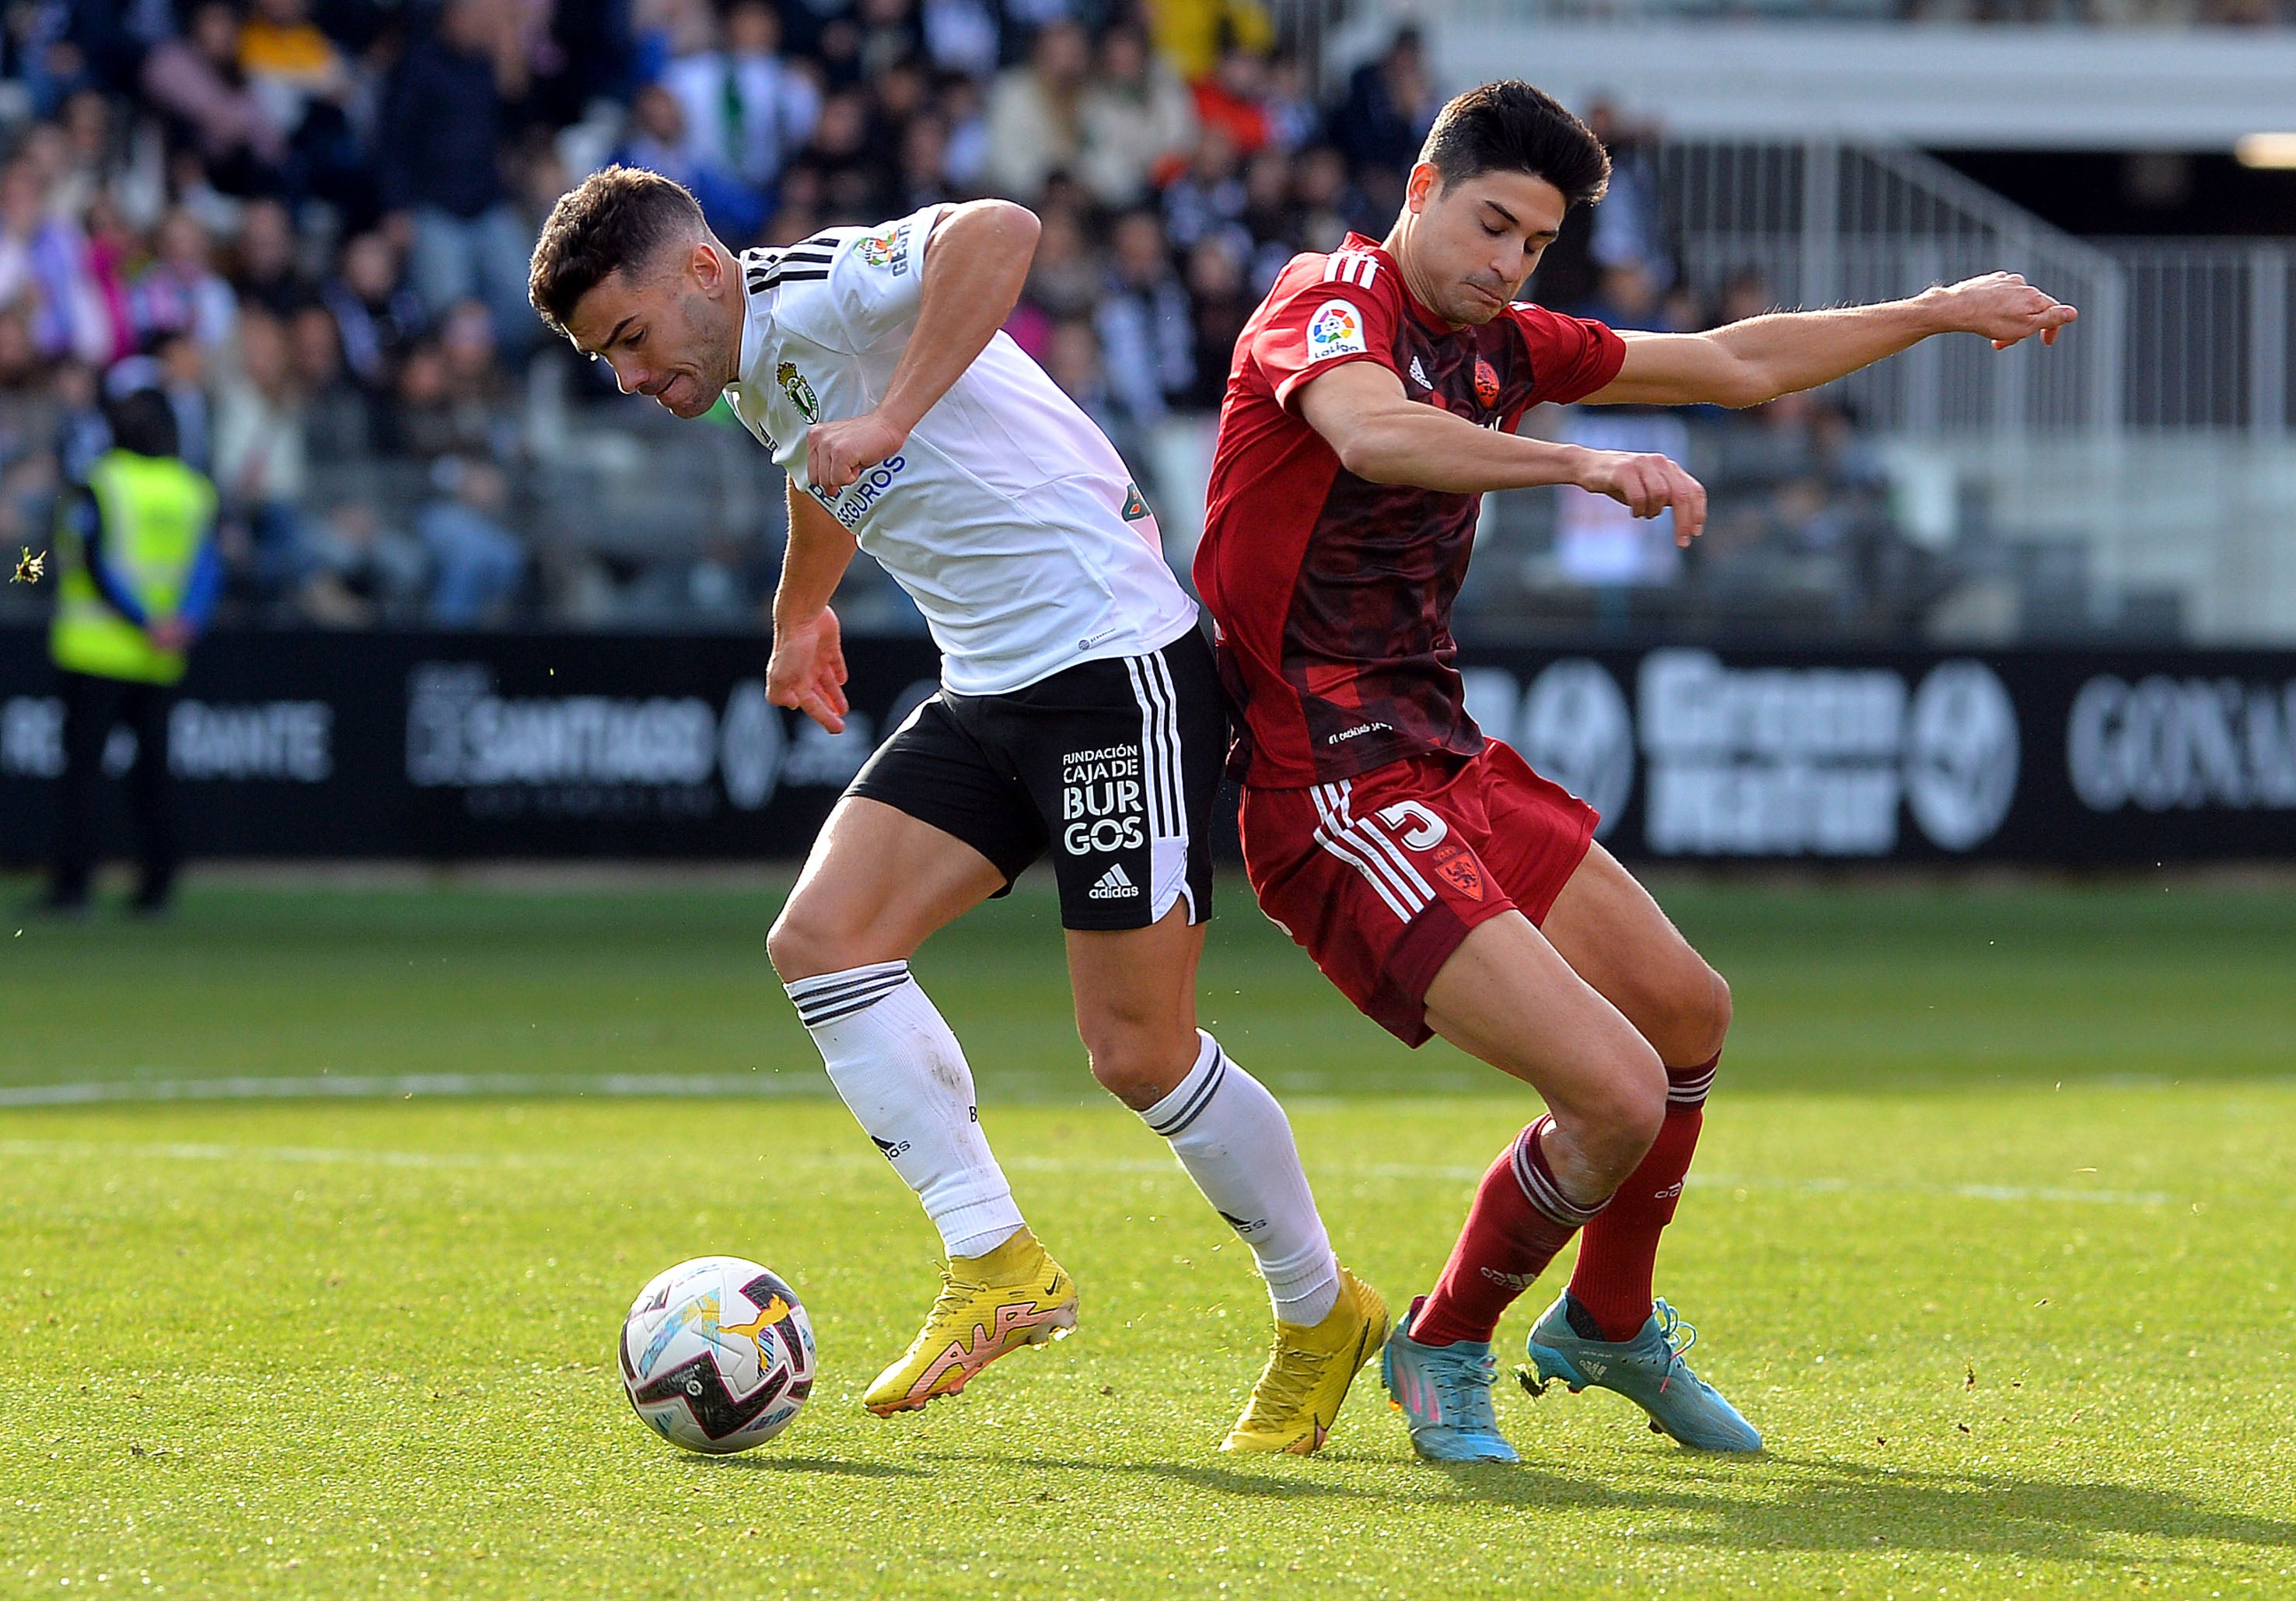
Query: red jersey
{"x": 1333, "y": 594}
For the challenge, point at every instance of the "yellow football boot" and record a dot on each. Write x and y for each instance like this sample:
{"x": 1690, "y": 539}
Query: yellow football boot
{"x": 1298, "y": 1393}
{"x": 989, "y": 1305}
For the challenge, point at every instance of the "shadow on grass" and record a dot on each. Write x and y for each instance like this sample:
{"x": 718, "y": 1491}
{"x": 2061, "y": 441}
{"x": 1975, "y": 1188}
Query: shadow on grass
{"x": 768, "y": 1463}
{"x": 1778, "y": 1503}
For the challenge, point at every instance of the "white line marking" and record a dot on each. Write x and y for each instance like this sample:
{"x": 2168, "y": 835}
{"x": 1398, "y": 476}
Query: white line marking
{"x": 354, "y": 1087}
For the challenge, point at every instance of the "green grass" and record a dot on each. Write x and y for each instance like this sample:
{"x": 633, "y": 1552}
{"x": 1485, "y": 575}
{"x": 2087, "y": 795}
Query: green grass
{"x": 1991, "y": 1233}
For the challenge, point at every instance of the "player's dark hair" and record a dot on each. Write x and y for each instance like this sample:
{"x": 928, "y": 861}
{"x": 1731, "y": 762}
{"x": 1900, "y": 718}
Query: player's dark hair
{"x": 613, "y": 219}
{"x": 144, "y": 422}
{"x": 1510, "y": 126}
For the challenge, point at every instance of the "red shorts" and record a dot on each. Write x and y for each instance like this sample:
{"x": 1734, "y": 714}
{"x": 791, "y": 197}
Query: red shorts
{"x": 1380, "y": 877}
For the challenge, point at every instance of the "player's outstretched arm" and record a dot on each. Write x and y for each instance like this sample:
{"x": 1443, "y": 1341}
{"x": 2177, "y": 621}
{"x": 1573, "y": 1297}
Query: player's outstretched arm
{"x": 975, "y": 262}
{"x": 1748, "y": 363}
{"x": 1381, "y": 434}
{"x": 807, "y": 668}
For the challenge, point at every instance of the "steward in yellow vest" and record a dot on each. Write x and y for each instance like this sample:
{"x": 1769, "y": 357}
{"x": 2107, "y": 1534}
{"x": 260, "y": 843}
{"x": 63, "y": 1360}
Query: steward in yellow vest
{"x": 138, "y": 575}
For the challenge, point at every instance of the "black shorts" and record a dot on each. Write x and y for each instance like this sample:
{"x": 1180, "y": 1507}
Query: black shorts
{"x": 1112, "y": 766}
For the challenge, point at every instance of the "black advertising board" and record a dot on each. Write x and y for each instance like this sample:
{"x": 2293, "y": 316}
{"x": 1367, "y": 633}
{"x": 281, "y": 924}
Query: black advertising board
{"x": 451, "y": 747}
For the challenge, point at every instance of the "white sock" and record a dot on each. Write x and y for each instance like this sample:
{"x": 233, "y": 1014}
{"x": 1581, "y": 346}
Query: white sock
{"x": 903, "y": 1075}
{"x": 1236, "y": 1144}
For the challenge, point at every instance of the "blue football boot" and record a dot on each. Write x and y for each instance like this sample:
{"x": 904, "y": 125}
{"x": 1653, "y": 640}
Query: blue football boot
{"x": 1444, "y": 1393}
{"x": 1648, "y": 1370}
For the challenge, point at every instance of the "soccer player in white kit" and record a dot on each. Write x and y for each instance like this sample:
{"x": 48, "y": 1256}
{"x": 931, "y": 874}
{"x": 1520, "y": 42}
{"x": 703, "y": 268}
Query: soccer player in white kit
{"x": 1079, "y": 714}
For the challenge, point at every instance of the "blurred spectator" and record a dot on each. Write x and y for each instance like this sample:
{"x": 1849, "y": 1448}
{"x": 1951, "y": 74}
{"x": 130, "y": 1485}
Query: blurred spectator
{"x": 182, "y": 363}
{"x": 181, "y": 292}
{"x": 442, "y": 126}
{"x": 83, "y": 433}
{"x": 1190, "y": 34}
{"x": 1209, "y": 197}
{"x": 1074, "y": 362}
{"x": 44, "y": 265}
{"x": 261, "y": 460}
{"x": 1146, "y": 332}
{"x": 477, "y": 563}
{"x": 1134, "y": 121}
{"x": 267, "y": 276}
{"x": 961, "y": 36}
{"x": 1064, "y": 278}
{"x": 1035, "y": 113}
{"x": 197, "y": 81}
{"x": 1626, "y": 229}
{"x": 1224, "y": 303}
{"x": 745, "y": 109}
{"x": 657, "y": 140}
{"x": 857, "y": 167}
{"x": 300, "y": 78}
{"x": 337, "y": 423}
{"x": 363, "y": 570}
{"x": 1233, "y": 99}
{"x": 1390, "y": 104}
{"x": 376, "y": 314}
{"x": 27, "y": 434}
{"x": 1330, "y": 207}
{"x": 1599, "y": 542}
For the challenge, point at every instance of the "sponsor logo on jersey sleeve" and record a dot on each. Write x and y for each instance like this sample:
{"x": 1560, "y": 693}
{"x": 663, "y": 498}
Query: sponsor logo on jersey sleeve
{"x": 888, "y": 249}
{"x": 797, "y": 389}
{"x": 1337, "y": 329}
{"x": 1135, "y": 507}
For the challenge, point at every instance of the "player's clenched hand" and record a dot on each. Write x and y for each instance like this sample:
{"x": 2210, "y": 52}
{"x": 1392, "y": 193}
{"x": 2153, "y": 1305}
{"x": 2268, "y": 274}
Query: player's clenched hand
{"x": 2004, "y": 308}
{"x": 807, "y": 671}
{"x": 836, "y": 453}
{"x": 1647, "y": 484}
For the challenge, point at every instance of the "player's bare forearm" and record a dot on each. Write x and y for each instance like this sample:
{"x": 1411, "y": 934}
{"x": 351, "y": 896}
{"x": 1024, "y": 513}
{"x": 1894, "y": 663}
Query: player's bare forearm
{"x": 975, "y": 262}
{"x": 820, "y": 549}
{"x": 807, "y": 668}
{"x": 1382, "y": 435}
{"x": 1757, "y": 360}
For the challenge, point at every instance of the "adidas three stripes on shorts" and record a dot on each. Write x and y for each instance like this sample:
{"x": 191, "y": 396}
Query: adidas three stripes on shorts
{"x": 1111, "y": 767}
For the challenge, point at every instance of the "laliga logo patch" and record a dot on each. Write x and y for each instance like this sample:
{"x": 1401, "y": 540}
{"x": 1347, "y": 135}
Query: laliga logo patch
{"x": 1487, "y": 383}
{"x": 1336, "y": 329}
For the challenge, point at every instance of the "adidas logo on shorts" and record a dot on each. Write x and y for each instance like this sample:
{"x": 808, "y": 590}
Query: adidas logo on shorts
{"x": 1114, "y": 884}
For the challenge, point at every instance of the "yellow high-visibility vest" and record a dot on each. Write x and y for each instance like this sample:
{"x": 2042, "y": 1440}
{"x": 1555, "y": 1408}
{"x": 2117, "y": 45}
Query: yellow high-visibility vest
{"x": 156, "y": 513}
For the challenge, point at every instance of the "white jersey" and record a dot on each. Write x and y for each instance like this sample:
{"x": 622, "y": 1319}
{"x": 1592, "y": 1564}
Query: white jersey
{"x": 1007, "y": 516}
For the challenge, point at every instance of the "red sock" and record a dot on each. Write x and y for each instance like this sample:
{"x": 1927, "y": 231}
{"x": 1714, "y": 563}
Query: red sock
{"x": 1612, "y": 1280}
{"x": 1509, "y": 1239}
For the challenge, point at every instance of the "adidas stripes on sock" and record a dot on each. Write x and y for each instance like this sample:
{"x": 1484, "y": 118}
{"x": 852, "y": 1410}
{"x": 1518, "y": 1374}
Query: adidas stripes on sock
{"x": 903, "y": 1075}
{"x": 1617, "y": 1259}
{"x": 1236, "y": 1144}
{"x": 1520, "y": 1218}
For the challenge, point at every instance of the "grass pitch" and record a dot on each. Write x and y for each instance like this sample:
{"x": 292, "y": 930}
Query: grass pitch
{"x": 1989, "y": 1233}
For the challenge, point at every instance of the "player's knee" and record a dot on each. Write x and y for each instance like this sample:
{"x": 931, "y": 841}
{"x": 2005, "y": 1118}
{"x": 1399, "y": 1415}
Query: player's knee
{"x": 1136, "y": 1062}
{"x": 1697, "y": 1018}
{"x": 804, "y": 943}
{"x": 1620, "y": 1124}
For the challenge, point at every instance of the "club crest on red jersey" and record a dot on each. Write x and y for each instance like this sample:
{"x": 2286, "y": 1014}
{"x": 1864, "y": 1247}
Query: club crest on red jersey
{"x": 1337, "y": 329}
{"x": 1487, "y": 383}
{"x": 1460, "y": 872}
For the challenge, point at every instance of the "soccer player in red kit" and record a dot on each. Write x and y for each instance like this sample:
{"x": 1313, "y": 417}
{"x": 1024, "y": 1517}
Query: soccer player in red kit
{"x": 1444, "y": 887}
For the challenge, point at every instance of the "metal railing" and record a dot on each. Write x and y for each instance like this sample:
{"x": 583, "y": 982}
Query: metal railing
{"x": 1825, "y": 224}
{"x": 2174, "y": 334}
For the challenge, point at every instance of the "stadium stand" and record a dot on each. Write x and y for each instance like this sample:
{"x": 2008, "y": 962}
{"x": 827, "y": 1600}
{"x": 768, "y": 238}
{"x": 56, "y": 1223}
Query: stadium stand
{"x": 308, "y": 220}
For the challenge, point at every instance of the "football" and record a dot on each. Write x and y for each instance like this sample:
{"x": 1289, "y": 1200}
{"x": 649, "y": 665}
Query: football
{"x": 716, "y": 1355}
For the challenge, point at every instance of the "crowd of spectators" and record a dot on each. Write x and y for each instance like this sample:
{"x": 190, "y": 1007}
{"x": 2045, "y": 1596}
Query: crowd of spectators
{"x": 308, "y": 221}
